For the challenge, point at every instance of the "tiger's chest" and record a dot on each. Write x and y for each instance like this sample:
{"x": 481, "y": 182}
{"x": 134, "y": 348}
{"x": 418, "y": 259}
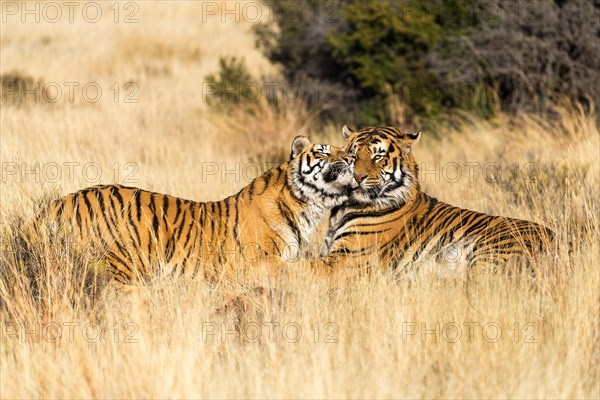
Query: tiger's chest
{"x": 292, "y": 232}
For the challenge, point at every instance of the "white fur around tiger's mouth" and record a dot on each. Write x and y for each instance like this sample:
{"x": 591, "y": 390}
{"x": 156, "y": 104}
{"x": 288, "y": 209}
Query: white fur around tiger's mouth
{"x": 339, "y": 175}
{"x": 365, "y": 195}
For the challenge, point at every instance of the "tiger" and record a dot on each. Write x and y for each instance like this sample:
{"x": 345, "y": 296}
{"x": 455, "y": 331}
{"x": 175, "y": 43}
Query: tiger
{"x": 389, "y": 218}
{"x": 142, "y": 233}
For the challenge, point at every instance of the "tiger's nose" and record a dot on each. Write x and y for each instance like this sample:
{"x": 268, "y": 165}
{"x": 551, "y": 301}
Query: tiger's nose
{"x": 359, "y": 177}
{"x": 349, "y": 160}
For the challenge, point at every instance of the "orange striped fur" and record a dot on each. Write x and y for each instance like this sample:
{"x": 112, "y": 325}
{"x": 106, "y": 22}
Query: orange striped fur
{"x": 143, "y": 233}
{"x": 388, "y": 218}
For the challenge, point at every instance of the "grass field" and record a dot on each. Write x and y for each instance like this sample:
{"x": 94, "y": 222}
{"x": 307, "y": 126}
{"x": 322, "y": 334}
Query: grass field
{"x": 65, "y": 336}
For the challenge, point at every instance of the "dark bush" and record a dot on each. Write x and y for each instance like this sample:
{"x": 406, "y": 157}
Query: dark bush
{"x": 531, "y": 57}
{"x": 298, "y": 39}
{"x": 363, "y": 52}
{"x": 438, "y": 56}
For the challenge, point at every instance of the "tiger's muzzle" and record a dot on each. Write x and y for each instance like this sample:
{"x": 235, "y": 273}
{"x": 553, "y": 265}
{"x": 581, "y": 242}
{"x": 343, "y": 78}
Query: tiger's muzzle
{"x": 366, "y": 186}
{"x": 335, "y": 171}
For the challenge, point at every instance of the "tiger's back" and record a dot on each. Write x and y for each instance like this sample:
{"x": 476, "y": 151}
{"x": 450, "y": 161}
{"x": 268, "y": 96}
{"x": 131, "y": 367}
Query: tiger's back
{"x": 144, "y": 234}
{"x": 436, "y": 236}
{"x": 137, "y": 230}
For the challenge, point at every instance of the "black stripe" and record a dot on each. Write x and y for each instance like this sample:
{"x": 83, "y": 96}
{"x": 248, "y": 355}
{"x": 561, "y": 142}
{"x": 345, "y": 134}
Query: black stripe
{"x": 288, "y": 215}
{"x": 138, "y": 203}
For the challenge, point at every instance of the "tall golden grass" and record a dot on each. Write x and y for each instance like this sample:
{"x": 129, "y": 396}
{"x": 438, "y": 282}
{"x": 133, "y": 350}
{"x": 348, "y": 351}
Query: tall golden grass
{"x": 372, "y": 336}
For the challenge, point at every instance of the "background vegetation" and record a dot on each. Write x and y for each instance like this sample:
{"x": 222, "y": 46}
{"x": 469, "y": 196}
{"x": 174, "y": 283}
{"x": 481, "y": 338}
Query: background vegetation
{"x": 155, "y": 343}
{"x": 438, "y": 57}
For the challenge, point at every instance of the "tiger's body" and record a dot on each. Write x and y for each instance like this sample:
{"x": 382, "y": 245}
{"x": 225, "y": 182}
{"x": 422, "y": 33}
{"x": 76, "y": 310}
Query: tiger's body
{"x": 390, "y": 219}
{"x": 142, "y": 233}
{"x": 426, "y": 231}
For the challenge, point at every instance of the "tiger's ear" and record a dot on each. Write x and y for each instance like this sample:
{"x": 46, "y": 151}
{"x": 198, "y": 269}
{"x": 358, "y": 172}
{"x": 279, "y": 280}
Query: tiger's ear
{"x": 409, "y": 139}
{"x": 346, "y": 132}
{"x": 298, "y": 145}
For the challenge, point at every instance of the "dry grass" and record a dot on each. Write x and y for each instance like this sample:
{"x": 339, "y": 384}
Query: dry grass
{"x": 355, "y": 336}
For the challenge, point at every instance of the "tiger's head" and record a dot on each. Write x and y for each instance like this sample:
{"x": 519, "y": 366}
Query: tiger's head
{"x": 320, "y": 172}
{"x": 385, "y": 170}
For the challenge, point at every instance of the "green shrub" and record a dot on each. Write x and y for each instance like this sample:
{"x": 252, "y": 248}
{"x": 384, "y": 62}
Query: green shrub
{"x": 231, "y": 86}
{"x": 383, "y": 49}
